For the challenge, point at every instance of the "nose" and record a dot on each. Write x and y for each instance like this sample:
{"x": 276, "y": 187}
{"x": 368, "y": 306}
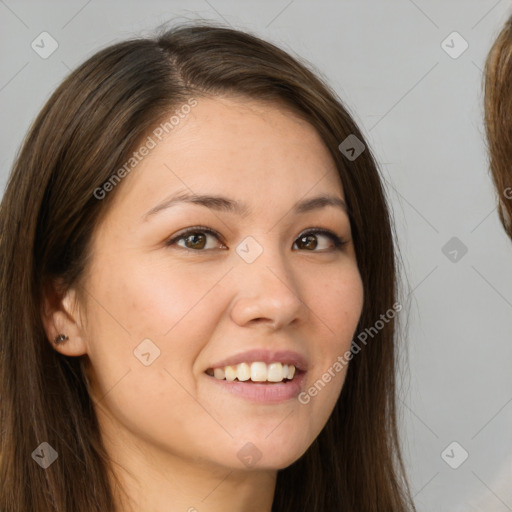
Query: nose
{"x": 267, "y": 291}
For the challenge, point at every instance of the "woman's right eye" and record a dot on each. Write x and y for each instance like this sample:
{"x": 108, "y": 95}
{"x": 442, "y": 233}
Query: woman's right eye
{"x": 195, "y": 239}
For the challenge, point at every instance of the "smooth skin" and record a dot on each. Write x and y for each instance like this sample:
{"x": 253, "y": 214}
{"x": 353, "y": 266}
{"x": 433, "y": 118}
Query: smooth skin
{"x": 174, "y": 436}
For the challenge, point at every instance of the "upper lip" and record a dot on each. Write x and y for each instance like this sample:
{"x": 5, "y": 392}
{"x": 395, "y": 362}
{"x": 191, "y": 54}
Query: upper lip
{"x": 265, "y": 356}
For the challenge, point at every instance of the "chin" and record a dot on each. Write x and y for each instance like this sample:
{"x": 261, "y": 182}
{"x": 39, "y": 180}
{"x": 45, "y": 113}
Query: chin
{"x": 268, "y": 453}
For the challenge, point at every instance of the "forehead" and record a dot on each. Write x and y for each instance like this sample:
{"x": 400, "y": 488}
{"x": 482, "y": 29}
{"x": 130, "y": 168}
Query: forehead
{"x": 233, "y": 127}
{"x": 259, "y": 151}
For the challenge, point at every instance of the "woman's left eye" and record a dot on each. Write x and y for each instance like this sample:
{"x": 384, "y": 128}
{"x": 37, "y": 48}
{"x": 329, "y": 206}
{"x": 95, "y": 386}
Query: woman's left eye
{"x": 195, "y": 239}
{"x": 310, "y": 238}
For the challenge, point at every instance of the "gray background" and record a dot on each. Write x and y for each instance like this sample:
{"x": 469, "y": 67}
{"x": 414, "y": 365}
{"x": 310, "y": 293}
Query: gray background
{"x": 421, "y": 111}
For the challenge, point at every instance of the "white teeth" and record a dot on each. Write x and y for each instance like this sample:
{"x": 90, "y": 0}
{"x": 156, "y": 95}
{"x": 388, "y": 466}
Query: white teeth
{"x": 275, "y": 372}
{"x": 219, "y": 373}
{"x": 243, "y": 372}
{"x": 256, "y": 372}
{"x": 230, "y": 372}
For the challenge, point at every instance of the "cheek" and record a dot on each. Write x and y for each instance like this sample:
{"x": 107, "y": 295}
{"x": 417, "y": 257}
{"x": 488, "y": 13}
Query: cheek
{"x": 133, "y": 302}
{"x": 337, "y": 308}
{"x": 146, "y": 300}
{"x": 337, "y": 303}
{"x": 153, "y": 310}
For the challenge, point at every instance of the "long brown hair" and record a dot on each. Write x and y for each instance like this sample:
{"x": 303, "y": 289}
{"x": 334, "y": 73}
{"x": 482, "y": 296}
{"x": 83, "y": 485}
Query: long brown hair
{"x": 85, "y": 132}
{"x": 498, "y": 120}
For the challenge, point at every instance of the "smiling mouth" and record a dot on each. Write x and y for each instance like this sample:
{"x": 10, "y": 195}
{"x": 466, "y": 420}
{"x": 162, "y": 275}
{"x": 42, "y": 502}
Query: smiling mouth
{"x": 255, "y": 372}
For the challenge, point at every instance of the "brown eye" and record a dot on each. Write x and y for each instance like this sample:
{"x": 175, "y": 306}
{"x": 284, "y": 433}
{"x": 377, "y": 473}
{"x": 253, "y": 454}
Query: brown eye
{"x": 309, "y": 241}
{"x": 194, "y": 239}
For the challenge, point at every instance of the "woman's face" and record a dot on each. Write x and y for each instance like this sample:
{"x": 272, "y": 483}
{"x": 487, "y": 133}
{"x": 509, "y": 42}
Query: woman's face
{"x": 170, "y": 303}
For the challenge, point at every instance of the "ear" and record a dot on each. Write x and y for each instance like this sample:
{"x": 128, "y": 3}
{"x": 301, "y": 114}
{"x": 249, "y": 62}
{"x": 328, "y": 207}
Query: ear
{"x": 61, "y": 315}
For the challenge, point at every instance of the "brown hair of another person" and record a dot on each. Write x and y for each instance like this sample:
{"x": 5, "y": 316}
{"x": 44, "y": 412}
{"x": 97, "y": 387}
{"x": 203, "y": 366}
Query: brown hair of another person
{"x": 498, "y": 120}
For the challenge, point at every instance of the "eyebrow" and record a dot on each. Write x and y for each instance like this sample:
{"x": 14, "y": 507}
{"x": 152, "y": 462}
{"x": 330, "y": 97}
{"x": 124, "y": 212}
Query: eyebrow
{"x": 225, "y": 204}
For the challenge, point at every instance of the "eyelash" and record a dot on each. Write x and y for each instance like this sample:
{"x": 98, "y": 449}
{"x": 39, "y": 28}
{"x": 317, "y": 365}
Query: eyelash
{"x": 337, "y": 241}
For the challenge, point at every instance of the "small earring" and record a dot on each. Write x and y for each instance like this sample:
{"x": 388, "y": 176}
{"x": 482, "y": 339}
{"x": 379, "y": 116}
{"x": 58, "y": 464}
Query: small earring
{"x": 60, "y": 338}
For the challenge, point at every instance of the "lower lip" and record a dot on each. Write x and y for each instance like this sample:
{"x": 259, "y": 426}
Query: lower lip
{"x": 261, "y": 392}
